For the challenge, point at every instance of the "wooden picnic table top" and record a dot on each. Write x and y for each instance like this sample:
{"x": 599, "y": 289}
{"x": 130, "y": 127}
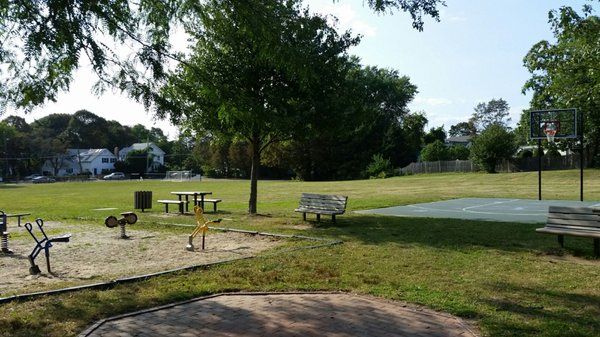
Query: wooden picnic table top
{"x": 192, "y": 193}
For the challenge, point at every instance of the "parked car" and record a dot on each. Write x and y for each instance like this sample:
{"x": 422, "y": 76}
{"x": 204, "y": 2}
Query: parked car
{"x": 42, "y": 180}
{"x": 115, "y": 176}
{"x": 35, "y": 175}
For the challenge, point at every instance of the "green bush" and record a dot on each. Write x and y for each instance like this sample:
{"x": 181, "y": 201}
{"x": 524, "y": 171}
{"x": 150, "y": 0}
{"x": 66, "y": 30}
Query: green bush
{"x": 491, "y": 146}
{"x": 435, "y": 151}
{"x": 379, "y": 167}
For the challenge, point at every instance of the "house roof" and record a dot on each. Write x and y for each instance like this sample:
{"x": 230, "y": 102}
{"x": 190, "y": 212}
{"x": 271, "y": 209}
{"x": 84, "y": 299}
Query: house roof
{"x": 89, "y": 155}
{"x": 458, "y": 139}
{"x": 141, "y": 147}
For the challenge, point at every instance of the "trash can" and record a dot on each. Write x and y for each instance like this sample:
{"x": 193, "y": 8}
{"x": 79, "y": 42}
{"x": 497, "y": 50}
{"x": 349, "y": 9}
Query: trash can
{"x": 142, "y": 200}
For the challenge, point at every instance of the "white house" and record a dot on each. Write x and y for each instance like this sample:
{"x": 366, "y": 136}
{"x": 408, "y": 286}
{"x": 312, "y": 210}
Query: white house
{"x": 75, "y": 161}
{"x": 157, "y": 154}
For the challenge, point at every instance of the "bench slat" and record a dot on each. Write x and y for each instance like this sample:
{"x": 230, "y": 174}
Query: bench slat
{"x": 573, "y": 222}
{"x": 563, "y": 231}
{"x": 573, "y": 228}
{"x": 320, "y": 211}
{"x": 576, "y": 216}
{"x": 571, "y": 210}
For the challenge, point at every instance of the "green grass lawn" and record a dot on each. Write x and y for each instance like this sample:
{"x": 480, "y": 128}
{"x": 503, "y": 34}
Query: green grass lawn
{"x": 504, "y": 277}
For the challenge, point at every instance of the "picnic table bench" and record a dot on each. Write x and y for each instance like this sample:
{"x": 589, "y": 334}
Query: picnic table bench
{"x": 322, "y": 204}
{"x": 574, "y": 221}
{"x": 180, "y": 203}
{"x": 214, "y": 202}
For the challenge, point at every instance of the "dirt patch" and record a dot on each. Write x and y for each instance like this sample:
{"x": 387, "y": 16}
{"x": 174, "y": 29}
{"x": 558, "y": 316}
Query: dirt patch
{"x": 99, "y": 254}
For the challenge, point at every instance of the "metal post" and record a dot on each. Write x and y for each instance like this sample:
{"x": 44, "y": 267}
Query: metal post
{"x": 581, "y": 159}
{"x": 581, "y": 173}
{"x": 539, "y": 169}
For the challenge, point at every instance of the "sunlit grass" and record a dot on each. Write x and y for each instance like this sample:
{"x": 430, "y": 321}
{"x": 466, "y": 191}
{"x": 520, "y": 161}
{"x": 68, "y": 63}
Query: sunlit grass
{"x": 505, "y": 277}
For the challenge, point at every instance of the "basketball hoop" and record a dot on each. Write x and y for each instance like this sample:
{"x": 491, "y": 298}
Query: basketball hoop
{"x": 550, "y": 129}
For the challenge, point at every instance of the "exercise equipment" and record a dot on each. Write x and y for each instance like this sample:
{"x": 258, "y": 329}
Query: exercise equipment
{"x": 127, "y": 218}
{"x": 202, "y": 226}
{"x": 44, "y": 244}
{"x": 4, "y": 229}
{"x": 4, "y": 233}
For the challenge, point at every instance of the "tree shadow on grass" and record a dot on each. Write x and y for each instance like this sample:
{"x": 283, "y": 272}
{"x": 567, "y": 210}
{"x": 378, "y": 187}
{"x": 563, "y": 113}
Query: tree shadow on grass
{"x": 454, "y": 234}
{"x": 530, "y": 310}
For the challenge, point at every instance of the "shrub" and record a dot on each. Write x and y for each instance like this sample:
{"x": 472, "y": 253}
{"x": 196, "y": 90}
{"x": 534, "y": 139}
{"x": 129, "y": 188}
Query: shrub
{"x": 492, "y": 145}
{"x": 379, "y": 167}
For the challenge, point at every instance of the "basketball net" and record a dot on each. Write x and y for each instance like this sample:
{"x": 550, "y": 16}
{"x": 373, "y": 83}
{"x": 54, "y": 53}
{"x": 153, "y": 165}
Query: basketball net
{"x": 550, "y": 129}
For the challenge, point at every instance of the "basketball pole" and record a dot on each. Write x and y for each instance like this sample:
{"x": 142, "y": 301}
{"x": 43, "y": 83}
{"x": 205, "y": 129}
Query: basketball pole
{"x": 539, "y": 169}
{"x": 581, "y": 159}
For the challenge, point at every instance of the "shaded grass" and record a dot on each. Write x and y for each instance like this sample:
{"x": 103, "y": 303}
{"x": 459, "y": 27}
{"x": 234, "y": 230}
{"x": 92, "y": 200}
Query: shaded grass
{"x": 509, "y": 280}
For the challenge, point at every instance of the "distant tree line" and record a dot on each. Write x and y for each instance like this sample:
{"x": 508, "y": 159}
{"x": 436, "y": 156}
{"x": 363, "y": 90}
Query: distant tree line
{"x": 25, "y": 146}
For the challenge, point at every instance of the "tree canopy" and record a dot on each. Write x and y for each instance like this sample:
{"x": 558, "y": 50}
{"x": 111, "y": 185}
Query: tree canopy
{"x": 565, "y": 73}
{"x": 45, "y": 42}
{"x": 494, "y": 112}
{"x": 491, "y": 146}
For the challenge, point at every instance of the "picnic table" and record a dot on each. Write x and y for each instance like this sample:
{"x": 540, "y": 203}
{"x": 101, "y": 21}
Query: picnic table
{"x": 195, "y": 194}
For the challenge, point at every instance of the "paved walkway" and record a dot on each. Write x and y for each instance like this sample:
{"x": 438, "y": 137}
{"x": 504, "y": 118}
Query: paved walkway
{"x": 283, "y": 314}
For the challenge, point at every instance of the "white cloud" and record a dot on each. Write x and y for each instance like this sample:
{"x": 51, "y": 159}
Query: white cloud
{"x": 433, "y": 101}
{"x": 451, "y": 17}
{"x": 347, "y": 16}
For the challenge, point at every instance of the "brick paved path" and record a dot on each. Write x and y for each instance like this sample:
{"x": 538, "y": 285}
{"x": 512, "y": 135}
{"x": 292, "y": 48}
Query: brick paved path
{"x": 283, "y": 314}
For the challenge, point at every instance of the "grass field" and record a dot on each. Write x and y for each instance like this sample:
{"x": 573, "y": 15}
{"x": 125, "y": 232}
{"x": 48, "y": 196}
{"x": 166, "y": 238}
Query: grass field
{"x": 504, "y": 277}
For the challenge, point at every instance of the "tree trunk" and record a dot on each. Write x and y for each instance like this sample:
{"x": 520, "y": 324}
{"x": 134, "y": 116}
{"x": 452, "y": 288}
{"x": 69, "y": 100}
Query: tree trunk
{"x": 254, "y": 175}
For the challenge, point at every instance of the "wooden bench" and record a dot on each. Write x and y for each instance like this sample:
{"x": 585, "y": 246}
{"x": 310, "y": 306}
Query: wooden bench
{"x": 214, "y": 202}
{"x": 574, "y": 221}
{"x": 322, "y": 204}
{"x": 181, "y": 204}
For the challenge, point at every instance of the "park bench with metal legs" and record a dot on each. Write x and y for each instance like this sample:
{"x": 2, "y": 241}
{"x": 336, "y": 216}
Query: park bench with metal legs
{"x": 42, "y": 244}
{"x": 573, "y": 221}
{"x": 322, "y": 204}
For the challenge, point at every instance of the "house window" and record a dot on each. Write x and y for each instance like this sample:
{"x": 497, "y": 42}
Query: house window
{"x": 104, "y": 160}
{"x": 113, "y": 160}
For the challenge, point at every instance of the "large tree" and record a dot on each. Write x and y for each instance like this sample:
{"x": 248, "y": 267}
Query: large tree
{"x": 45, "y": 42}
{"x": 258, "y": 70}
{"x": 462, "y": 129}
{"x": 494, "y": 112}
{"x": 566, "y": 73}
{"x": 365, "y": 118}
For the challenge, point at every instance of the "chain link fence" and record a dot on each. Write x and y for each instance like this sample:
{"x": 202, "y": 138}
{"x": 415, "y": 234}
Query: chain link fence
{"x": 516, "y": 165}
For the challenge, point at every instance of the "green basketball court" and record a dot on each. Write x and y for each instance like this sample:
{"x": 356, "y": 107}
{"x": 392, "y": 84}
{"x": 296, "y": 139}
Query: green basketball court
{"x": 487, "y": 209}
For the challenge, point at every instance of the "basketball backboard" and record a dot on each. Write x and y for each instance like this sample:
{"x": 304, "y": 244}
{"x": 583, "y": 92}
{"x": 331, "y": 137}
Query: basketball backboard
{"x": 558, "y": 123}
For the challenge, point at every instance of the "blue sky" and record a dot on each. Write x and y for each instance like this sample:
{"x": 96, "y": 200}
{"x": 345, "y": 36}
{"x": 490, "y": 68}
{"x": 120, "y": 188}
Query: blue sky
{"x": 473, "y": 55}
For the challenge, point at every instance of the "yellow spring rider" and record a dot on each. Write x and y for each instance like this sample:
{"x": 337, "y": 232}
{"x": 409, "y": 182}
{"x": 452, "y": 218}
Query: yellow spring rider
{"x": 201, "y": 227}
